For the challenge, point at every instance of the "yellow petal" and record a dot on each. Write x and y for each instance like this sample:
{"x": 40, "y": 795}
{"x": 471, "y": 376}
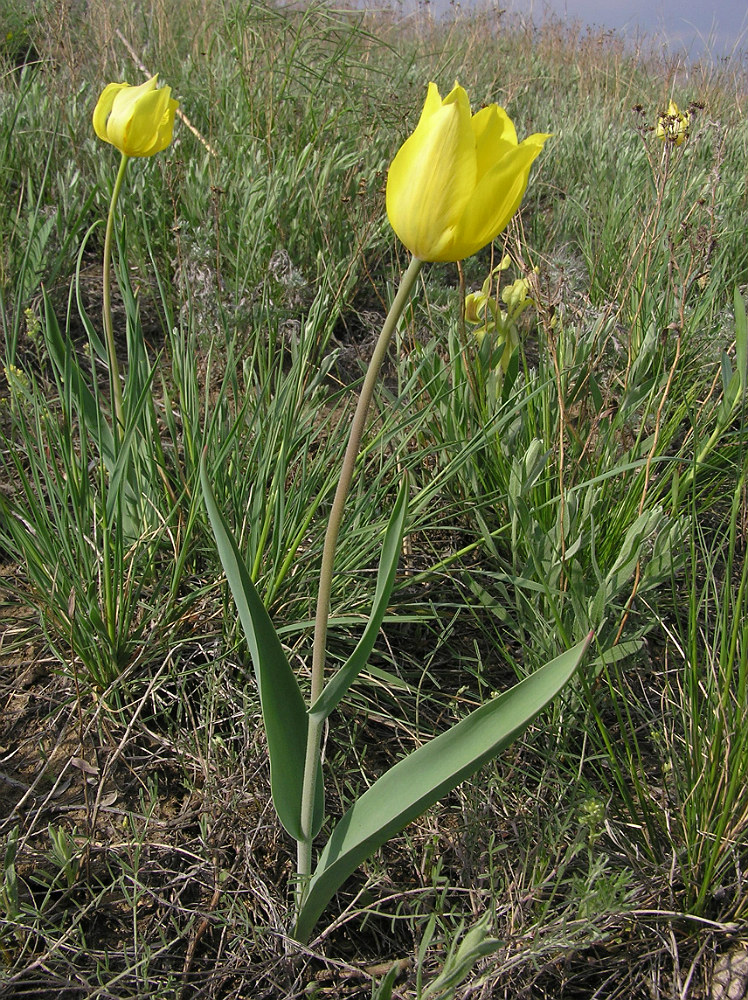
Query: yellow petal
{"x": 128, "y": 97}
{"x": 166, "y": 128}
{"x": 673, "y": 125}
{"x": 103, "y": 108}
{"x": 496, "y": 198}
{"x": 432, "y": 103}
{"x": 120, "y": 121}
{"x": 495, "y": 136}
{"x": 508, "y": 131}
{"x": 458, "y": 95}
{"x": 475, "y": 307}
{"x": 487, "y": 132}
{"x": 141, "y": 133}
{"x": 432, "y": 177}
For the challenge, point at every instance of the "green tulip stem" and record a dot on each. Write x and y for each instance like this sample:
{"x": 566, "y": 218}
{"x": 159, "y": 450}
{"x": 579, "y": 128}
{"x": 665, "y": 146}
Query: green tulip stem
{"x": 314, "y": 733}
{"x": 119, "y": 409}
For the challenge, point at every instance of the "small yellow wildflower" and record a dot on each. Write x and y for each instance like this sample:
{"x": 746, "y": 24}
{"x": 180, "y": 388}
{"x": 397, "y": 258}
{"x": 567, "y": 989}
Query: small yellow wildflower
{"x": 673, "y": 126}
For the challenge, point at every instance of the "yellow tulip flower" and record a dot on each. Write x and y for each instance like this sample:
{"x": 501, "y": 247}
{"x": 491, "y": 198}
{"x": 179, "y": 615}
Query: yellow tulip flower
{"x": 139, "y": 121}
{"x": 459, "y": 178}
{"x": 673, "y": 125}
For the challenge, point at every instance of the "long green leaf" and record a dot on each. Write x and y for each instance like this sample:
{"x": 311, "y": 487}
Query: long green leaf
{"x": 419, "y": 780}
{"x": 283, "y": 711}
{"x": 336, "y": 688}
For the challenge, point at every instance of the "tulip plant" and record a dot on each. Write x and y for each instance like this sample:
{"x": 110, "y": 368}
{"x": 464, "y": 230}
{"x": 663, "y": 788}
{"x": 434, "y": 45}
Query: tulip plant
{"x": 452, "y": 188}
{"x": 138, "y": 121}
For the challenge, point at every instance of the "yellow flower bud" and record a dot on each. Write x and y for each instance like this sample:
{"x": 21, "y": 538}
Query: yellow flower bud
{"x": 139, "y": 121}
{"x": 475, "y": 307}
{"x": 515, "y": 296}
{"x": 459, "y": 178}
{"x": 673, "y": 125}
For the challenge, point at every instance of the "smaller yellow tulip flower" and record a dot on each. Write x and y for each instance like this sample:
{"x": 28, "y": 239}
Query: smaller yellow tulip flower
{"x": 673, "y": 126}
{"x": 139, "y": 121}
{"x": 459, "y": 178}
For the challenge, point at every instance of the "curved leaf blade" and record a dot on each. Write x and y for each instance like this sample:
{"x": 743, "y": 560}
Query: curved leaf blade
{"x": 337, "y": 686}
{"x": 419, "y": 780}
{"x": 283, "y": 709}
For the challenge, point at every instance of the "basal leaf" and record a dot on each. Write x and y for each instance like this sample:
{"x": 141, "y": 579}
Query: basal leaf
{"x": 283, "y": 710}
{"x": 419, "y": 780}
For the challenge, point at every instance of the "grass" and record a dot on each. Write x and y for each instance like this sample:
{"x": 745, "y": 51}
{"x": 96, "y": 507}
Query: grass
{"x": 600, "y": 483}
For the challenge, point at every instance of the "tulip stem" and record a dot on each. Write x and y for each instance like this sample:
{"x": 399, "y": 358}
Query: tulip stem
{"x": 118, "y": 403}
{"x": 314, "y": 733}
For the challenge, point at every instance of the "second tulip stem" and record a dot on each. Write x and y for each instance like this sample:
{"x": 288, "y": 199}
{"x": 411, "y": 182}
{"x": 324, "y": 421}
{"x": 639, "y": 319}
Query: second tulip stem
{"x": 117, "y": 400}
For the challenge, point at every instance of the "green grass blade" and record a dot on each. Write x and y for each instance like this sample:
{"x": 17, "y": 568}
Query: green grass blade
{"x": 419, "y": 780}
{"x": 67, "y": 367}
{"x": 741, "y": 339}
{"x": 336, "y": 688}
{"x": 283, "y": 710}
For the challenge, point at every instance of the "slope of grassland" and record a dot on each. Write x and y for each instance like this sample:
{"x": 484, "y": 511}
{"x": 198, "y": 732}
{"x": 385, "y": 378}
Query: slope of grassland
{"x": 597, "y": 481}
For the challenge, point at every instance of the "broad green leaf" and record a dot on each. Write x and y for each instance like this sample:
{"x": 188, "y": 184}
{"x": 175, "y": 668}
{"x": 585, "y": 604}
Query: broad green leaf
{"x": 419, "y": 780}
{"x": 387, "y": 678}
{"x": 336, "y": 688}
{"x": 97, "y": 344}
{"x": 283, "y": 710}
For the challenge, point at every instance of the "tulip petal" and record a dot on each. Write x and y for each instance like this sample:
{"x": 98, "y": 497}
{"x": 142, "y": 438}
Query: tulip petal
{"x": 497, "y": 197}
{"x": 104, "y": 107}
{"x": 508, "y": 131}
{"x": 133, "y": 94}
{"x": 495, "y": 136}
{"x": 431, "y": 105}
{"x": 128, "y": 97}
{"x": 458, "y": 95}
{"x": 131, "y": 116}
{"x": 166, "y": 127}
{"x": 432, "y": 177}
{"x": 142, "y": 128}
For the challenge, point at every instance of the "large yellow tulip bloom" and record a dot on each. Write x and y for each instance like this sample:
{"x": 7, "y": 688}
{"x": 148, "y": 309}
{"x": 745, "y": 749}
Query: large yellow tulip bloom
{"x": 139, "y": 121}
{"x": 459, "y": 178}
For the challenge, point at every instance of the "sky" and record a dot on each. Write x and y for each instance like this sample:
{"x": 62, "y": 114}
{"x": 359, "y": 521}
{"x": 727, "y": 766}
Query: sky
{"x": 689, "y": 28}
